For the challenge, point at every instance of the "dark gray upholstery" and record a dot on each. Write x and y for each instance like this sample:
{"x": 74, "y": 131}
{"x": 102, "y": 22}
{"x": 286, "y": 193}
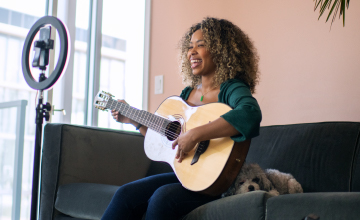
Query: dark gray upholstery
{"x": 319, "y": 155}
{"x": 355, "y": 182}
{"x": 340, "y": 205}
{"x": 250, "y": 205}
{"x": 83, "y": 166}
{"x": 80, "y": 154}
{"x": 84, "y": 200}
{"x": 65, "y": 217}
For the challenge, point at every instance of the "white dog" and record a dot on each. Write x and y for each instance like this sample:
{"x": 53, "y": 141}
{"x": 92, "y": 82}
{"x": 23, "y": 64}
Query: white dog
{"x": 251, "y": 177}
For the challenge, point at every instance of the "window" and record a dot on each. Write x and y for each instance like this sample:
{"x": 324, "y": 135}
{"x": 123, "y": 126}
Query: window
{"x": 122, "y": 55}
{"x": 108, "y": 54}
{"x": 16, "y": 18}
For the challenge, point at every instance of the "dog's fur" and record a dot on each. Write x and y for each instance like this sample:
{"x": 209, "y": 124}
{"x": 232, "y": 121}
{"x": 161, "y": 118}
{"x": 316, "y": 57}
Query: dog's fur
{"x": 251, "y": 177}
{"x": 284, "y": 183}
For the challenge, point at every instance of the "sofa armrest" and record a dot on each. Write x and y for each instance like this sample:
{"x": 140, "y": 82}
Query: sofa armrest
{"x": 80, "y": 154}
{"x": 326, "y": 205}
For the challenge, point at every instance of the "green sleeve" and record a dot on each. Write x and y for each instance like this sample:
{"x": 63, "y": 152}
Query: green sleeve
{"x": 246, "y": 113}
{"x": 185, "y": 93}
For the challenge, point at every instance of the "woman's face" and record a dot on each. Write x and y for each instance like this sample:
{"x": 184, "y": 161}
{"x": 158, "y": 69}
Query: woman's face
{"x": 200, "y": 59}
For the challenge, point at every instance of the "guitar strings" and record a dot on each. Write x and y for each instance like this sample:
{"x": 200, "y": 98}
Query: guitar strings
{"x": 162, "y": 129}
{"x": 136, "y": 118}
{"x": 174, "y": 135}
{"x": 158, "y": 128}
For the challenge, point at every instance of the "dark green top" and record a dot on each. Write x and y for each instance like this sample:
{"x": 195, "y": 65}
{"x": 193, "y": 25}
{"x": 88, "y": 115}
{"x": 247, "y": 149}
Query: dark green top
{"x": 246, "y": 113}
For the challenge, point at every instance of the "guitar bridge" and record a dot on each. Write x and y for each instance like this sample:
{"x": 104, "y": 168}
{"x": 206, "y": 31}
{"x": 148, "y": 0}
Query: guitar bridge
{"x": 203, "y": 145}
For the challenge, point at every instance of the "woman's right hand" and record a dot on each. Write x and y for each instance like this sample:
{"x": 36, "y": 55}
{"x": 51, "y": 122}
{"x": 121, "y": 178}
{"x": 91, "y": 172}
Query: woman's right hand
{"x": 119, "y": 117}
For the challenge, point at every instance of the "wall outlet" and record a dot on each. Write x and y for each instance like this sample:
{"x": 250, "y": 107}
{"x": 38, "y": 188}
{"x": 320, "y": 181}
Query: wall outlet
{"x": 159, "y": 84}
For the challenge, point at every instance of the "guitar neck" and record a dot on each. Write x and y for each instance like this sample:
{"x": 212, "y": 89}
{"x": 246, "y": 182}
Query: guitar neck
{"x": 154, "y": 122}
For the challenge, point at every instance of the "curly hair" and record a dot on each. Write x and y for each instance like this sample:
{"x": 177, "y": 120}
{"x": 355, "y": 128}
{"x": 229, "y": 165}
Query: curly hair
{"x": 231, "y": 49}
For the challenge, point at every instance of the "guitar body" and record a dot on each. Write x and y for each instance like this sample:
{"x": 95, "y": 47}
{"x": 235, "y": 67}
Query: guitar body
{"x": 217, "y": 167}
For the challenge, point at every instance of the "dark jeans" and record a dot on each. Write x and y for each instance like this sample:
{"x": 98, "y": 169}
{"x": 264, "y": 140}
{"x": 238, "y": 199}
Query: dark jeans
{"x": 161, "y": 197}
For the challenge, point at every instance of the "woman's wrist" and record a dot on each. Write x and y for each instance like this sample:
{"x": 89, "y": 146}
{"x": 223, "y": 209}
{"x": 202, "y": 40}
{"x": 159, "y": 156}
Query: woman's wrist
{"x": 195, "y": 135}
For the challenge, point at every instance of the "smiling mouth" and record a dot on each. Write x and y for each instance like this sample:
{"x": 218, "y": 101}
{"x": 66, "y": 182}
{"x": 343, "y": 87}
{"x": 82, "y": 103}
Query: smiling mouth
{"x": 195, "y": 63}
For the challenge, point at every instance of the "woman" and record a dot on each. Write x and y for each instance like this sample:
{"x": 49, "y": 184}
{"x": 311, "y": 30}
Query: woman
{"x": 219, "y": 64}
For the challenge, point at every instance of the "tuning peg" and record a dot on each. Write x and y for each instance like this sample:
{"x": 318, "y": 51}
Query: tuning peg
{"x": 108, "y": 93}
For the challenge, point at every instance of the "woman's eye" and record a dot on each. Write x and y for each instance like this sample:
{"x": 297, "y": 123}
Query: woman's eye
{"x": 200, "y": 45}
{"x": 189, "y": 48}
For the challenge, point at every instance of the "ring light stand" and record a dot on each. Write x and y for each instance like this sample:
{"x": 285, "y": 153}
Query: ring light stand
{"x": 41, "y": 60}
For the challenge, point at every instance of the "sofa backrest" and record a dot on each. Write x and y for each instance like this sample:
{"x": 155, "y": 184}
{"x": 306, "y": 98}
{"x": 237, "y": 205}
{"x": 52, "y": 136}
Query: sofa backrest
{"x": 323, "y": 157}
{"x": 95, "y": 155}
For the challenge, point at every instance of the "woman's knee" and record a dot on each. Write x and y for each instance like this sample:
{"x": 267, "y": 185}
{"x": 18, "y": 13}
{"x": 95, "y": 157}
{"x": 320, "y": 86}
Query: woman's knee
{"x": 123, "y": 192}
{"x": 163, "y": 203}
{"x": 163, "y": 194}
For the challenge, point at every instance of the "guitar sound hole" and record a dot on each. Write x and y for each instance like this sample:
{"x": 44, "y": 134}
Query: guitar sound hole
{"x": 173, "y": 130}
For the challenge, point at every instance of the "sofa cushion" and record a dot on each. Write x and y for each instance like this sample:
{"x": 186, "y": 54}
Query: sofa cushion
{"x": 319, "y": 155}
{"x": 337, "y": 205}
{"x": 84, "y": 200}
{"x": 64, "y": 217}
{"x": 250, "y": 205}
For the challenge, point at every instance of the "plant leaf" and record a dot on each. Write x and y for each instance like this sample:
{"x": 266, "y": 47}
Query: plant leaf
{"x": 343, "y": 11}
{"x": 333, "y": 6}
{"x": 323, "y": 6}
{"x": 336, "y": 11}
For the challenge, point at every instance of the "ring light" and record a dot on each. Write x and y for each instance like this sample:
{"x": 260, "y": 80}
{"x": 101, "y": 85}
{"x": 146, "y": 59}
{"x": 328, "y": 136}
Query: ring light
{"x": 61, "y": 65}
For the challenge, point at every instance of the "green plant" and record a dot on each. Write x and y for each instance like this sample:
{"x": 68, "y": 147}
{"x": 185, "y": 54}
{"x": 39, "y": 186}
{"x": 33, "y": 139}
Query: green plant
{"x": 333, "y": 6}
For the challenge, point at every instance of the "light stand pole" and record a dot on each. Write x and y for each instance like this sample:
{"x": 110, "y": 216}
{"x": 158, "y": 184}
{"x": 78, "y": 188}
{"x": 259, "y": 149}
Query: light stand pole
{"x": 41, "y": 60}
{"x": 42, "y": 111}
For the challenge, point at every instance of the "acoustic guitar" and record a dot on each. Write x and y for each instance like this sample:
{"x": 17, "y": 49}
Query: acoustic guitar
{"x": 211, "y": 167}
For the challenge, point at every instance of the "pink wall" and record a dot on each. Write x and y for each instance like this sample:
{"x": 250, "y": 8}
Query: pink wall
{"x": 308, "y": 73}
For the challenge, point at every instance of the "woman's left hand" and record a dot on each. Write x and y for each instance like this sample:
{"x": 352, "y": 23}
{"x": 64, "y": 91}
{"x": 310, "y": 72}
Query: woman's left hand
{"x": 186, "y": 143}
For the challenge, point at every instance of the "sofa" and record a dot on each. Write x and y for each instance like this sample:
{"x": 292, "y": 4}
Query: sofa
{"x": 82, "y": 167}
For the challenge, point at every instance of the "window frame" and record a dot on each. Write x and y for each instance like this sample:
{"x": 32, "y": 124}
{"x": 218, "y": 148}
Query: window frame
{"x": 93, "y": 55}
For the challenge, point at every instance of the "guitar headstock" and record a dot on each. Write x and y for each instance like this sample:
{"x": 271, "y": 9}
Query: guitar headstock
{"x": 101, "y": 100}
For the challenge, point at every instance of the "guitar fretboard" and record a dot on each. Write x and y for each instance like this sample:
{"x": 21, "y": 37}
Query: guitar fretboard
{"x": 156, "y": 123}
